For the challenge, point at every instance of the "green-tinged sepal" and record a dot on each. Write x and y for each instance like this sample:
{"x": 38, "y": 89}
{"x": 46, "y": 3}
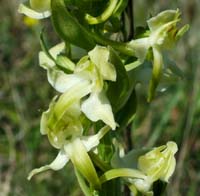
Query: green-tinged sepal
{"x": 81, "y": 160}
{"x": 39, "y": 5}
{"x": 182, "y": 31}
{"x": 121, "y": 172}
{"x": 156, "y": 72}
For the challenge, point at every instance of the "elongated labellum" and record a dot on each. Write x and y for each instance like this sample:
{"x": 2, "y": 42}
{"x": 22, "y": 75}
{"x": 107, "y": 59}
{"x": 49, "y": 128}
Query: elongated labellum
{"x": 156, "y": 72}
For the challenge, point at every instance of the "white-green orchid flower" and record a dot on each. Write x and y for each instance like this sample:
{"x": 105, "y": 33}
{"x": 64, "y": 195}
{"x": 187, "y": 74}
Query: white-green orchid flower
{"x": 163, "y": 34}
{"x": 141, "y": 168}
{"x": 158, "y": 164}
{"x": 62, "y": 124}
{"x": 37, "y": 9}
{"x": 93, "y": 69}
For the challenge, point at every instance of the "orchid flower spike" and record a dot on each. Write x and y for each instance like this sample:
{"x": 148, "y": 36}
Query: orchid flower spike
{"x": 37, "y": 9}
{"x": 92, "y": 69}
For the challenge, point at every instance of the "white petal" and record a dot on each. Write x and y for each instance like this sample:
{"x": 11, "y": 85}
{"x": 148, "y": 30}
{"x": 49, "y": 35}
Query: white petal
{"x": 100, "y": 57}
{"x": 162, "y": 18}
{"x": 97, "y": 107}
{"x": 140, "y": 48}
{"x": 59, "y": 162}
{"x": 61, "y": 81}
{"x": 169, "y": 170}
{"x": 32, "y": 13}
{"x": 45, "y": 61}
{"x": 91, "y": 142}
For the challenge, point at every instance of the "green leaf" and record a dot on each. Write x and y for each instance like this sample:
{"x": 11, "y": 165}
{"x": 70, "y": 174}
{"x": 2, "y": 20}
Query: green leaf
{"x": 129, "y": 160}
{"x": 68, "y": 28}
{"x": 127, "y": 113}
{"x": 117, "y": 91}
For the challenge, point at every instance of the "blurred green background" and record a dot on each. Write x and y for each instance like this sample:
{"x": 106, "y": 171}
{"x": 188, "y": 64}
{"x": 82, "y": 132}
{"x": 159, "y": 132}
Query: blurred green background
{"x": 25, "y": 94}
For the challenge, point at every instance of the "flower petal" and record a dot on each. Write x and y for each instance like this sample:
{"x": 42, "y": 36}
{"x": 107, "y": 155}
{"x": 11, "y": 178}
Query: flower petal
{"x": 59, "y": 162}
{"x": 156, "y": 72}
{"x": 62, "y": 81}
{"x": 162, "y": 18}
{"x": 97, "y": 107}
{"x": 140, "y": 48}
{"x": 45, "y": 61}
{"x": 32, "y": 13}
{"x": 100, "y": 57}
{"x": 45, "y": 116}
{"x": 81, "y": 161}
{"x": 91, "y": 142}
